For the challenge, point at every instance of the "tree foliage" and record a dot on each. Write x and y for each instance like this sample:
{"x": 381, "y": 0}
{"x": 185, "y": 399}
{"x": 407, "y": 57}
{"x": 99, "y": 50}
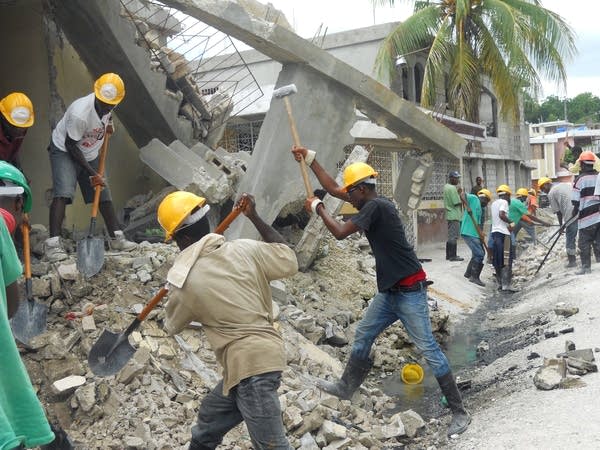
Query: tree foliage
{"x": 512, "y": 43}
{"x": 583, "y": 108}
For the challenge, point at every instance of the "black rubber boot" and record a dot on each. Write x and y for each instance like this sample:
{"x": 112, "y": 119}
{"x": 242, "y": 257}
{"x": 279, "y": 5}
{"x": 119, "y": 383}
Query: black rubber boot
{"x": 460, "y": 417}
{"x": 586, "y": 262}
{"x": 469, "y": 268}
{"x": 61, "y": 440}
{"x": 448, "y": 250}
{"x": 584, "y": 270}
{"x": 475, "y": 273}
{"x": 572, "y": 261}
{"x": 196, "y": 446}
{"x": 506, "y": 279}
{"x": 452, "y": 251}
{"x": 354, "y": 374}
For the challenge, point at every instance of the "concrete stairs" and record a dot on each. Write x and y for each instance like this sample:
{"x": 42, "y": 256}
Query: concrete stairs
{"x": 214, "y": 174}
{"x": 106, "y": 42}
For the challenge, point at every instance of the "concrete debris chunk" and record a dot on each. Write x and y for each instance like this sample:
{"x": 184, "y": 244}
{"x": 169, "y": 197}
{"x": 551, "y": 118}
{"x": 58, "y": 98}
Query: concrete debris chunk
{"x": 67, "y": 384}
{"x": 332, "y": 431}
{"x": 88, "y": 323}
{"x": 412, "y": 421}
{"x": 86, "y": 396}
{"x": 562, "y": 309}
{"x": 68, "y": 271}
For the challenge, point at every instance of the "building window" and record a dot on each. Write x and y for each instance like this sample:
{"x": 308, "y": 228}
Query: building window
{"x": 241, "y": 137}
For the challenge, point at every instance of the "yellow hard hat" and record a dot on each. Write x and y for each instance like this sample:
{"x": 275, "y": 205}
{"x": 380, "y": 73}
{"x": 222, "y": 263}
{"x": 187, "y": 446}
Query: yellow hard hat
{"x": 503, "y": 188}
{"x": 356, "y": 172}
{"x": 485, "y": 192}
{"x": 522, "y": 192}
{"x": 17, "y": 109}
{"x": 175, "y": 208}
{"x": 412, "y": 374}
{"x": 542, "y": 181}
{"x": 109, "y": 88}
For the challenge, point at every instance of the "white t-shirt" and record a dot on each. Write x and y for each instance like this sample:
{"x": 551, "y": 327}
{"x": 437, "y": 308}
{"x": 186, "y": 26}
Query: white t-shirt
{"x": 82, "y": 124}
{"x": 499, "y": 225}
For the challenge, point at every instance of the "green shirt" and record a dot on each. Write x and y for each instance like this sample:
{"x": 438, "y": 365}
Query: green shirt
{"x": 22, "y": 419}
{"x": 452, "y": 202}
{"x": 516, "y": 210}
{"x": 466, "y": 226}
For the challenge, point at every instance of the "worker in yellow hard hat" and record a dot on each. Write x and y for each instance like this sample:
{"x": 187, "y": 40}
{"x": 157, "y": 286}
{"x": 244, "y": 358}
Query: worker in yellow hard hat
{"x": 401, "y": 282}
{"x": 559, "y": 197}
{"x": 16, "y": 116}
{"x": 74, "y": 158}
{"x": 521, "y": 211}
{"x": 470, "y": 230}
{"x": 502, "y": 250}
{"x": 224, "y": 285}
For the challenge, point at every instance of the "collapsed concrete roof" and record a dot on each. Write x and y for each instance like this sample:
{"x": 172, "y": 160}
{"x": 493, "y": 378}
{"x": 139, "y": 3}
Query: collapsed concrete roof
{"x": 372, "y": 98}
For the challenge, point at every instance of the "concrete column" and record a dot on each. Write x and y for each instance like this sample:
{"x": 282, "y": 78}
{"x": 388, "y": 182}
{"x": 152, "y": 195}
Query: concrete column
{"x": 324, "y": 114}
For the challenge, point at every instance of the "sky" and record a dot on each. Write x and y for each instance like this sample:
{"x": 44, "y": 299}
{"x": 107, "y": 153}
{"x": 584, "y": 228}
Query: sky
{"x": 308, "y": 16}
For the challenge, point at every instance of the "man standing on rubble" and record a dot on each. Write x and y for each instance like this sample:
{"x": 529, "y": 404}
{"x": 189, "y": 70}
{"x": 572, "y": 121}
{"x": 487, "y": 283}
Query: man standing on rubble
{"x": 587, "y": 206}
{"x": 225, "y": 286}
{"x": 502, "y": 248}
{"x": 16, "y": 116}
{"x": 453, "y": 206}
{"x": 474, "y": 205}
{"x": 559, "y": 197}
{"x": 401, "y": 282}
{"x": 74, "y": 158}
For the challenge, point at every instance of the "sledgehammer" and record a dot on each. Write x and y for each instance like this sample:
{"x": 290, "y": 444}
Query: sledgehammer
{"x": 284, "y": 92}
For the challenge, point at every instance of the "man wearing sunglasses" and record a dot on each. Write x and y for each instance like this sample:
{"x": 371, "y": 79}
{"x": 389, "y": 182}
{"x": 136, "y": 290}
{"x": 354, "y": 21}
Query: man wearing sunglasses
{"x": 401, "y": 282}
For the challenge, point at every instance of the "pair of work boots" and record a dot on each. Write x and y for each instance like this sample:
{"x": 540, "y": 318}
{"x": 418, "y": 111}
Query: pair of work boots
{"x": 54, "y": 249}
{"x": 451, "y": 252}
{"x": 473, "y": 272}
{"x": 356, "y": 372}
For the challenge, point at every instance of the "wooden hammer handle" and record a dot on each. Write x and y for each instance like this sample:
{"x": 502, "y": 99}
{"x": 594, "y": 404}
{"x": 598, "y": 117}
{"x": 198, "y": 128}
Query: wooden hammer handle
{"x": 296, "y": 138}
{"x": 101, "y": 165}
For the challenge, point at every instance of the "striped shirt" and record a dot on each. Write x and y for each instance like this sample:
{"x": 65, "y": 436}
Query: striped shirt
{"x": 589, "y": 204}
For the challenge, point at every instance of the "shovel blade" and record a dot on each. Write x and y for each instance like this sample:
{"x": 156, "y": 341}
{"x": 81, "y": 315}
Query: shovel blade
{"x": 29, "y": 320}
{"x": 90, "y": 256}
{"x": 102, "y": 361}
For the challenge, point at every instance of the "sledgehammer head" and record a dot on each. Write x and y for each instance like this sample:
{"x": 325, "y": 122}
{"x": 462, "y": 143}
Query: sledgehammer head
{"x": 284, "y": 91}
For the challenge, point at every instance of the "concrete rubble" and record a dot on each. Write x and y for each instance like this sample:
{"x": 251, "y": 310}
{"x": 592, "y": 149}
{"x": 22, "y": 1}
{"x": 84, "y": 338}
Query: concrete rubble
{"x": 152, "y": 402}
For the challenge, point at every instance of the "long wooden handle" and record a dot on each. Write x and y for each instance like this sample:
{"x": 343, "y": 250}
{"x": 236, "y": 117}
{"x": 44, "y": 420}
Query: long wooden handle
{"x": 296, "y": 138}
{"x": 163, "y": 291}
{"x": 26, "y": 246}
{"x": 152, "y": 303}
{"x": 101, "y": 165}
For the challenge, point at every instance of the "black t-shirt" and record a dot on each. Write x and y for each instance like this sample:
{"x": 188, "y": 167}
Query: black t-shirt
{"x": 394, "y": 256}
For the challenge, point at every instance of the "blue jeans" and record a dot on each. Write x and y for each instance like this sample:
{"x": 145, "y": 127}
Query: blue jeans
{"x": 476, "y": 248}
{"x": 528, "y": 227}
{"x": 498, "y": 242}
{"x": 255, "y": 401}
{"x": 412, "y": 310}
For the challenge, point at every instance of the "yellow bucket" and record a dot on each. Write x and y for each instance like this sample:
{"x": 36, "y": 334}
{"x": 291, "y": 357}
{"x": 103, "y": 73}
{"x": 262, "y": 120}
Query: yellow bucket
{"x": 412, "y": 374}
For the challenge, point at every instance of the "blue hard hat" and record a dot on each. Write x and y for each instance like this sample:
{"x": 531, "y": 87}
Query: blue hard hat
{"x": 454, "y": 174}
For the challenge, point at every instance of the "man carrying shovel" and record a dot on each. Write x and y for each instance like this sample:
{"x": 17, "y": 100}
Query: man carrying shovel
{"x": 74, "y": 158}
{"x": 225, "y": 286}
{"x": 401, "y": 281}
{"x": 471, "y": 233}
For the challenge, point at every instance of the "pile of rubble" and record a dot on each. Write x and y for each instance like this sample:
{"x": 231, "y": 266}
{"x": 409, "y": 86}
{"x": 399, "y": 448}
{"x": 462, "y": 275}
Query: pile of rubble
{"x": 152, "y": 403}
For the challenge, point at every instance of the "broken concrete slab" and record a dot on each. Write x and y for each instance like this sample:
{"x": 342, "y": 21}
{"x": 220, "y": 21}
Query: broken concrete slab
{"x": 372, "y": 98}
{"x": 68, "y": 384}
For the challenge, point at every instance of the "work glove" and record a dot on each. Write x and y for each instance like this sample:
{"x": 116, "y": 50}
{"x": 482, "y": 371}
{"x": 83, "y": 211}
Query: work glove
{"x": 312, "y": 204}
{"x": 97, "y": 180}
{"x": 301, "y": 152}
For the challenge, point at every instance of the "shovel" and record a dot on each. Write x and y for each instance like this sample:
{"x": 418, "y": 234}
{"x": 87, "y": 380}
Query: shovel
{"x": 112, "y": 351}
{"x": 30, "y": 318}
{"x": 90, "y": 250}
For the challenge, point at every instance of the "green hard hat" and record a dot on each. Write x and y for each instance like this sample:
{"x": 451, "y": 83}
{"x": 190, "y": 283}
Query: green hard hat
{"x": 11, "y": 173}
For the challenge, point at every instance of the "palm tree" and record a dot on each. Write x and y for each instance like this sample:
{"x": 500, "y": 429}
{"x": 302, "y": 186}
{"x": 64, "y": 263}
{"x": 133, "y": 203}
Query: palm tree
{"x": 511, "y": 43}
